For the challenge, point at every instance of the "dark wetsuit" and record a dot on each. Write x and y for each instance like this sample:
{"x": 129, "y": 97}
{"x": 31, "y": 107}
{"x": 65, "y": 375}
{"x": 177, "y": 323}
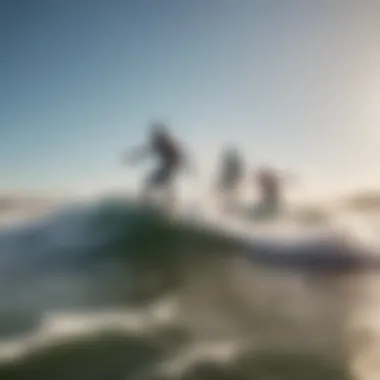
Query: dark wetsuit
{"x": 269, "y": 186}
{"x": 231, "y": 172}
{"x": 170, "y": 160}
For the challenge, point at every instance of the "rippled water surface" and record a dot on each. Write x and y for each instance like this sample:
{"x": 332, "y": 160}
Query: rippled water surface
{"x": 77, "y": 311}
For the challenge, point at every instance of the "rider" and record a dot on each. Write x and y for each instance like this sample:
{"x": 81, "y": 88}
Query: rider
{"x": 231, "y": 172}
{"x": 270, "y": 187}
{"x": 171, "y": 159}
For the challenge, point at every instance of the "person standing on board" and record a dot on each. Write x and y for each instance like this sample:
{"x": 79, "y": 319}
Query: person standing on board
{"x": 271, "y": 184}
{"x": 171, "y": 159}
{"x": 230, "y": 175}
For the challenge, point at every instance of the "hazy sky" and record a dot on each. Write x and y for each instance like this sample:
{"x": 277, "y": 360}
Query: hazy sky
{"x": 296, "y": 83}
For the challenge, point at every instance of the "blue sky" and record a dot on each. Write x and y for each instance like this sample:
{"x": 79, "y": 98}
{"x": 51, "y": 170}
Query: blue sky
{"x": 296, "y": 83}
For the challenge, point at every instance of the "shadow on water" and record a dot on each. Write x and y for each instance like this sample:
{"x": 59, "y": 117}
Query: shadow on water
{"x": 120, "y": 359}
{"x": 154, "y": 248}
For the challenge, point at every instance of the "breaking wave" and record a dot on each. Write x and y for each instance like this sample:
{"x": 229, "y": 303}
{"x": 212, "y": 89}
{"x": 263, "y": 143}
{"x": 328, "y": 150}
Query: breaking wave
{"x": 110, "y": 290}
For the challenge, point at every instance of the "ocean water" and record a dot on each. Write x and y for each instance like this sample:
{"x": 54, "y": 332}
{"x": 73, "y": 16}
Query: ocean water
{"x": 109, "y": 291}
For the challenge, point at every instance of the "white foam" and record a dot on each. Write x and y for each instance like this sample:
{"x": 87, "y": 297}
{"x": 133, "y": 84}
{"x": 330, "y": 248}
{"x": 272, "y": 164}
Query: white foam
{"x": 60, "y": 327}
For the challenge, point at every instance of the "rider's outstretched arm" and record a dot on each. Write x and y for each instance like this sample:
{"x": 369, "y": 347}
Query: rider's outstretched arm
{"x": 137, "y": 154}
